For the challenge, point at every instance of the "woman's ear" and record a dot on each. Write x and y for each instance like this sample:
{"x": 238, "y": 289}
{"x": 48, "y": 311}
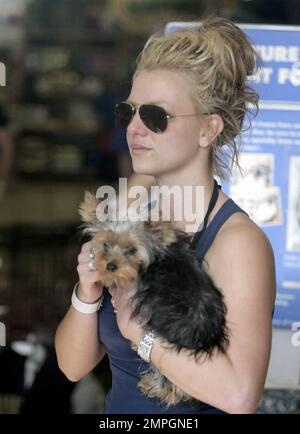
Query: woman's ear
{"x": 213, "y": 125}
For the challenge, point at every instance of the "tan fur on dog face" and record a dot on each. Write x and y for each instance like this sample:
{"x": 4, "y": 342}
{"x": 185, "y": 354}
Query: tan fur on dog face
{"x": 126, "y": 253}
{"x": 126, "y": 245}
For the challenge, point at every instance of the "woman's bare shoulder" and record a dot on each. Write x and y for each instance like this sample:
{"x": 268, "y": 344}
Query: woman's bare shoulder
{"x": 241, "y": 249}
{"x": 239, "y": 231}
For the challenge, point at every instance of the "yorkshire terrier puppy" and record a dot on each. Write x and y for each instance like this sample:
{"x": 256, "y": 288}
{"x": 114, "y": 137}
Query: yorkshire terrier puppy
{"x": 175, "y": 297}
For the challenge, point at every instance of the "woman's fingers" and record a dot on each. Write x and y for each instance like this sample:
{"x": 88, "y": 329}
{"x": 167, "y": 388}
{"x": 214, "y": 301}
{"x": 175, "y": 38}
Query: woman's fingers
{"x": 89, "y": 276}
{"x": 84, "y": 257}
{"x": 86, "y": 246}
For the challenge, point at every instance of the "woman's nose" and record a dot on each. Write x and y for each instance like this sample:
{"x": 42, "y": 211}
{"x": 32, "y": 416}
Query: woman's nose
{"x": 136, "y": 125}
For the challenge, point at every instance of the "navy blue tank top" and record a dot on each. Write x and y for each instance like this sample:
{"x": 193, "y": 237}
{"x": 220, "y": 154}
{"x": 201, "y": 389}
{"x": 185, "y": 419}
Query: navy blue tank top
{"x": 127, "y": 367}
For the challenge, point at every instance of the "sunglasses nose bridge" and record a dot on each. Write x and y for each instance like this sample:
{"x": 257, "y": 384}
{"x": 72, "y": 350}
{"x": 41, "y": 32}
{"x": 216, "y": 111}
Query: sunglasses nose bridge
{"x": 136, "y": 121}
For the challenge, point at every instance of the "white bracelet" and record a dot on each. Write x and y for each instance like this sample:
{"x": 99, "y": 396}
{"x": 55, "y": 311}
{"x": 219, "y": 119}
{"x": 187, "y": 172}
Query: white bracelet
{"x": 82, "y": 307}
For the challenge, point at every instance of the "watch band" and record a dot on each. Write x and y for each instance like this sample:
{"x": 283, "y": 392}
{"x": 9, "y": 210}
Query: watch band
{"x": 145, "y": 346}
{"x": 82, "y": 307}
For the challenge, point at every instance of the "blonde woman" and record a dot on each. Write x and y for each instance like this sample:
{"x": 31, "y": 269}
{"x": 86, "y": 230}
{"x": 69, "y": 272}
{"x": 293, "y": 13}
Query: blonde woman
{"x": 188, "y": 99}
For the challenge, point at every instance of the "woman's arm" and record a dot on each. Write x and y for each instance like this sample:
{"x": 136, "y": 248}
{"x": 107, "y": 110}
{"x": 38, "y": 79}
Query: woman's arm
{"x": 77, "y": 344}
{"x": 242, "y": 265}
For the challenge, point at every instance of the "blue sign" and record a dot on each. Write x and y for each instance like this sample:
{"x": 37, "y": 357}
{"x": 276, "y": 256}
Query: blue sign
{"x": 278, "y": 79}
{"x": 269, "y": 189}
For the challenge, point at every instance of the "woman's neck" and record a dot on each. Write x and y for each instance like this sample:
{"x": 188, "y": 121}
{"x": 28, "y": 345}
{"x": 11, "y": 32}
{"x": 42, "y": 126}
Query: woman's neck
{"x": 193, "y": 194}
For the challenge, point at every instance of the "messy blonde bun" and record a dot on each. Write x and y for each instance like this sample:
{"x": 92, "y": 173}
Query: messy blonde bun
{"x": 217, "y": 58}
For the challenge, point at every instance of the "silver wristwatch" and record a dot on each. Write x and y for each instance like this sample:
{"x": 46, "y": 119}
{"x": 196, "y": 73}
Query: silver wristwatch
{"x": 145, "y": 346}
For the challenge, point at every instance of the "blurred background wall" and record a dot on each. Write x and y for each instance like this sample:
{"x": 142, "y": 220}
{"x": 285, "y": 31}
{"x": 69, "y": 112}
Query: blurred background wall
{"x": 67, "y": 62}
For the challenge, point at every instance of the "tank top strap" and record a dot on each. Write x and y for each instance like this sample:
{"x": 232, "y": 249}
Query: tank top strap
{"x": 227, "y": 210}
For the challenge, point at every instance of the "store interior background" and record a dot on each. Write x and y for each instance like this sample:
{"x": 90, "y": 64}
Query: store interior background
{"x": 67, "y": 63}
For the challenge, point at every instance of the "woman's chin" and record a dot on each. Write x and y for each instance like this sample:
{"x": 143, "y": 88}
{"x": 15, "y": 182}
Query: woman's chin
{"x": 143, "y": 169}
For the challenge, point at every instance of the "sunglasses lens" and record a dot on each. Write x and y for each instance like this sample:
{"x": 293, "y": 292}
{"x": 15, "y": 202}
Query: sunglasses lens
{"x": 123, "y": 114}
{"x": 154, "y": 117}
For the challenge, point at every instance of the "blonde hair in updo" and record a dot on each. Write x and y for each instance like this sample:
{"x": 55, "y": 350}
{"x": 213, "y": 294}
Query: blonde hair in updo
{"x": 217, "y": 59}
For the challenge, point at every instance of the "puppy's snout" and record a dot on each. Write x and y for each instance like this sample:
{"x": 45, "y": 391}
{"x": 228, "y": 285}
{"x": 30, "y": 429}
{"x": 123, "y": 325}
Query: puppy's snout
{"x": 111, "y": 267}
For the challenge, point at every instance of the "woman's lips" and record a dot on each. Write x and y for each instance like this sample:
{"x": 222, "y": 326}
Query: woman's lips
{"x": 138, "y": 148}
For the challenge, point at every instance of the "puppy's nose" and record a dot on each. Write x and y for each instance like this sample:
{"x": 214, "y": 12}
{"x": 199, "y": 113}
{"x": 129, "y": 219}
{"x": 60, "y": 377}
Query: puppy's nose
{"x": 111, "y": 267}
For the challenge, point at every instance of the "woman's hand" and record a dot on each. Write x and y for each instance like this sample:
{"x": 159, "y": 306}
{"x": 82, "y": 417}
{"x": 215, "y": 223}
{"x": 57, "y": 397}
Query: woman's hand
{"x": 90, "y": 288}
{"x": 129, "y": 328}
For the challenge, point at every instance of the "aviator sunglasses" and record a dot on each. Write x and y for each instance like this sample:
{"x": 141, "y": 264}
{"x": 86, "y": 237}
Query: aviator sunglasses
{"x": 153, "y": 117}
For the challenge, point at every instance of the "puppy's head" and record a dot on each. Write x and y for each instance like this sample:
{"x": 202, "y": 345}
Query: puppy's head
{"x": 121, "y": 247}
{"x": 120, "y": 253}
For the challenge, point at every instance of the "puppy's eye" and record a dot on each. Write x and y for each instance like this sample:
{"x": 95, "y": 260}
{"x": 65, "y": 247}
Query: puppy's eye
{"x": 130, "y": 250}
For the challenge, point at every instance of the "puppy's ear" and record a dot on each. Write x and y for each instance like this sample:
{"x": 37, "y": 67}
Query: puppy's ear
{"x": 161, "y": 232}
{"x": 87, "y": 208}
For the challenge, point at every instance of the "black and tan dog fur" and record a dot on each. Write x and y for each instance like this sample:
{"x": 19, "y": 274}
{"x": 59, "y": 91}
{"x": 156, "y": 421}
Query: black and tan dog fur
{"x": 175, "y": 297}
